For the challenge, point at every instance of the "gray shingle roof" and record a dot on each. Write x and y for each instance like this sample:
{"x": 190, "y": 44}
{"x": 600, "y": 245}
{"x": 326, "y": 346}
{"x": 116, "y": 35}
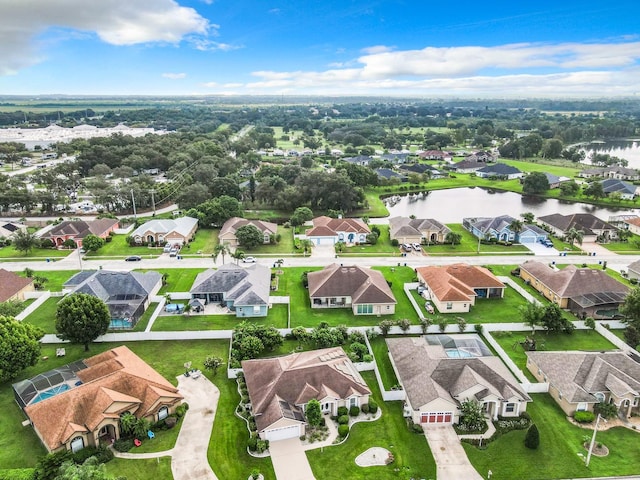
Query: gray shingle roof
{"x": 362, "y": 284}
{"x": 181, "y": 225}
{"x": 245, "y": 286}
{"x": 580, "y": 221}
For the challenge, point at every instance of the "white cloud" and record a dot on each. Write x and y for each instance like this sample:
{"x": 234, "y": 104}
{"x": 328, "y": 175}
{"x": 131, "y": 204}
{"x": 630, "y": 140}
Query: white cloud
{"x": 376, "y": 49}
{"x": 207, "y": 45}
{"x": 117, "y": 22}
{"x": 174, "y": 76}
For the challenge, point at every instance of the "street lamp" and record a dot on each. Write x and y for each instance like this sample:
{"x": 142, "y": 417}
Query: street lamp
{"x": 593, "y": 439}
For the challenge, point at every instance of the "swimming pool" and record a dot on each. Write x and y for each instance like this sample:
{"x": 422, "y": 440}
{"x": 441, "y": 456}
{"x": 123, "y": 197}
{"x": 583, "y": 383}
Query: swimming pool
{"x": 120, "y": 323}
{"x": 52, "y": 392}
{"x": 456, "y": 353}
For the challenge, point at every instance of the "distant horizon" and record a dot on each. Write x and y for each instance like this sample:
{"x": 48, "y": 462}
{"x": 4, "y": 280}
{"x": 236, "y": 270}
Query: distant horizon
{"x": 379, "y": 48}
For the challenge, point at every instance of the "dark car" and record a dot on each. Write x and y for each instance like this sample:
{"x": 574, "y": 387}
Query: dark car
{"x": 133, "y": 258}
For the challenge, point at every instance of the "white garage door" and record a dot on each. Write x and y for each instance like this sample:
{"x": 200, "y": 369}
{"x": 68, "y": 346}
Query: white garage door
{"x": 324, "y": 241}
{"x": 283, "y": 433}
{"x": 436, "y": 417}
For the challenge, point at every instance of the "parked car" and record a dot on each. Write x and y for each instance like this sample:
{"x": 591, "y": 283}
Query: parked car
{"x": 429, "y": 308}
{"x": 249, "y": 259}
{"x": 133, "y": 258}
{"x": 417, "y": 247}
{"x": 406, "y": 247}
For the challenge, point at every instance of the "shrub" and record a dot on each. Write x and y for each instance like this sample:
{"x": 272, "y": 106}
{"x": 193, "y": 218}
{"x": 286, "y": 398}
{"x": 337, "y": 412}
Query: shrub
{"x": 262, "y": 445}
{"x": 17, "y": 474}
{"x": 584, "y": 417}
{"x": 343, "y": 430}
{"x": 103, "y": 454}
{"x": 182, "y": 409}
{"x": 343, "y": 419}
{"x": 123, "y": 445}
{"x": 170, "y": 422}
{"x": 607, "y": 410}
{"x": 373, "y": 406}
{"x": 367, "y": 358}
{"x": 365, "y": 408}
{"x": 342, "y": 411}
{"x": 416, "y": 428}
{"x": 394, "y": 242}
{"x": 252, "y": 443}
{"x": 48, "y": 465}
{"x": 354, "y": 411}
{"x": 532, "y": 440}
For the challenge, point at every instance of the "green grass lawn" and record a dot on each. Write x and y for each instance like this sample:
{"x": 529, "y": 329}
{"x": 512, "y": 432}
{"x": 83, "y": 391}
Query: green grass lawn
{"x": 382, "y": 247}
{"x": 381, "y": 352}
{"x": 10, "y": 252}
{"x": 630, "y": 247}
{"x": 144, "y": 469}
{"x": 179, "y": 279}
{"x": 166, "y": 323}
{"x": 163, "y": 440}
{"x": 586, "y": 340}
{"x": 55, "y": 278}
{"x": 284, "y": 246}
{"x": 560, "y": 444}
{"x": 143, "y": 321}
{"x": 469, "y": 245}
{"x": 118, "y": 247}
{"x": 411, "y": 451}
{"x": 205, "y": 241}
{"x": 45, "y": 315}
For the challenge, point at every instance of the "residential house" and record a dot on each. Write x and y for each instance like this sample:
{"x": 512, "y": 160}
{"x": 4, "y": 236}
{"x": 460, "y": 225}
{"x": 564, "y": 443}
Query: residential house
{"x": 482, "y": 156}
{"x": 280, "y": 388}
{"x": 361, "y": 289}
{"x": 79, "y": 405}
{"x": 394, "y": 158}
{"x": 423, "y": 169}
{"x": 329, "y": 231}
{"x": 433, "y": 155}
{"x": 77, "y": 230}
{"x": 388, "y": 174}
{"x": 593, "y": 229}
{"x": 417, "y": 230}
{"x": 633, "y": 270}
{"x": 244, "y": 291}
{"x": 467, "y": 166}
{"x": 227, "y": 233}
{"x": 454, "y": 288}
{"x": 584, "y": 291}
{"x": 617, "y": 172}
{"x": 555, "y": 180}
{"x": 13, "y": 286}
{"x": 632, "y": 224}
{"x": 9, "y": 229}
{"x": 436, "y": 385}
{"x": 362, "y": 160}
{"x": 500, "y": 228}
{"x": 580, "y": 380}
{"x": 626, "y": 190}
{"x": 127, "y": 294}
{"x": 179, "y": 230}
{"x": 499, "y": 170}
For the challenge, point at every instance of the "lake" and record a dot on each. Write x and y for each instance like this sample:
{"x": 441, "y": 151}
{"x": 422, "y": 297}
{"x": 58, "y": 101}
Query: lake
{"x": 627, "y": 149}
{"x": 450, "y": 206}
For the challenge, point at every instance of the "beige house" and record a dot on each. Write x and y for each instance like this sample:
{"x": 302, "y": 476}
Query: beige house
{"x": 633, "y": 225}
{"x": 364, "y": 291}
{"x": 593, "y": 229}
{"x": 227, "y": 234}
{"x": 417, "y": 230}
{"x": 77, "y": 230}
{"x": 172, "y": 231}
{"x": 9, "y": 229}
{"x": 279, "y": 389}
{"x": 80, "y": 404}
{"x": 584, "y": 291}
{"x": 580, "y": 380}
{"x": 454, "y": 288}
{"x": 329, "y": 231}
{"x": 13, "y": 286}
{"x": 436, "y": 385}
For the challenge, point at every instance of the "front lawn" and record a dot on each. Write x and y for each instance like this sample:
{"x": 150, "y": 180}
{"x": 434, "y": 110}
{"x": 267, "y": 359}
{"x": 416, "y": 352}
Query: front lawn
{"x": 285, "y": 245}
{"x": 469, "y": 245}
{"x": 585, "y": 340}
{"x": 10, "y": 253}
{"x": 411, "y": 451}
{"x": 119, "y": 247}
{"x": 179, "y": 279}
{"x": 55, "y": 278}
{"x": 561, "y": 453}
{"x": 45, "y": 315}
{"x": 277, "y": 317}
{"x": 382, "y": 247}
{"x": 143, "y": 469}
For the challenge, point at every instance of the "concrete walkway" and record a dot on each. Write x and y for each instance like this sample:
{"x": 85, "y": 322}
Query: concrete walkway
{"x": 451, "y": 460}
{"x": 189, "y": 455}
{"x": 289, "y": 460}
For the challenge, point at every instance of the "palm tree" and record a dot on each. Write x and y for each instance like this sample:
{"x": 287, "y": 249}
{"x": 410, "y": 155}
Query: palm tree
{"x": 453, "y": 238}
{"x": 237, "y": 255}
{"x": 573, "y": 235}
{"x": 516, "y": 227}
{"x": 220, "y": 249}
{"x": 624, "y": 235}
{"x": 528, "y": 217}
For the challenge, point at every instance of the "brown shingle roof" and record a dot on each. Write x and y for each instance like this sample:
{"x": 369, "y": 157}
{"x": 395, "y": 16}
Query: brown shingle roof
{"x": 11, "y": 283}
{"x": 297, "y": 378}
{"x": 81, "y": 228}
{"x": 362, "y": 284}
{"x": 234, "y": 223}
{"x": 115, "y": 376}
{"x": 326, "y": 226}
{"x": 457, "y": 282}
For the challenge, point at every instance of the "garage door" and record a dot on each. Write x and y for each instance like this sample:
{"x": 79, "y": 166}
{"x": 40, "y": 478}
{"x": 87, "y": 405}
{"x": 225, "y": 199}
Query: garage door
{"x": 436, "y": 417}
{"x": 324, "y": 241}
{"x": 282, "y": 433}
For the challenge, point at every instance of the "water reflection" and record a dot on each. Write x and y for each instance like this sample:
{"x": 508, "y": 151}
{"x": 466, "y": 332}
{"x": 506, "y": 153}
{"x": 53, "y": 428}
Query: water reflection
{"x": 626, "y": 149}
{"x": 450, "y": 206}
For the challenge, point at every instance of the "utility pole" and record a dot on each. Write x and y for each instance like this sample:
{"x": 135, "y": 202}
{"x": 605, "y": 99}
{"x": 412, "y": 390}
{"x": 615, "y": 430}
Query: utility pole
{"x": 133, "y": 200}
{"x": 153, "y": 202}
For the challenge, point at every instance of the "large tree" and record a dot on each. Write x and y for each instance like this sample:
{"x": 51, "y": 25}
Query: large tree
{"x": 19, "y": 346}
{"x": 553, "y": 320}
{"x": 301, "y": 215}
{"x": 249, "y": 236}
{"x": 81, "y": 318}
{"x": 595, "y": 190}
{"x": 630, "y": 308}
{"x": 25, "y": 241}
{"x": 92, "y": 243}
{"x": 535, "y": 183}
{"x": 532, "y": 314}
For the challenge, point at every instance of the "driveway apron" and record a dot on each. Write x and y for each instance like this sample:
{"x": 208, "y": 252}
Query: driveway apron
{"x": 451, "y": 460}
{"x": 189, "y": 456}
{"x": 289, "y": 460}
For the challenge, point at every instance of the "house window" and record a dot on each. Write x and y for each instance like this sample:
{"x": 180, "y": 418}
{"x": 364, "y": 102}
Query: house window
{"x": 77, "y": 444}
{"x": 449, "y": 305}
{"x": 163, "y": 413}
{"x": 582, "y": 406}
{"x": 364, "y": 309}
{"x": 256, "y": 309}
{"x": 353, "y": 402}
{"x": 599, "y": 396}
{"x": 510, "y": 407}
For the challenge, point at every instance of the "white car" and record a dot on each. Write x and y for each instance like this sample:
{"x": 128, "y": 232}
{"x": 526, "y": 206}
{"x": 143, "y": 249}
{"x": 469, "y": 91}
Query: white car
{"x": 417, "y": 247}
{"x": 249, "y": 259}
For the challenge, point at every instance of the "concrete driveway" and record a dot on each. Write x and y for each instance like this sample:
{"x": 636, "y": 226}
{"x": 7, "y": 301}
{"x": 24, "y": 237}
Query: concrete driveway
{"x": 451, "y": 460}
{"x": 540, "y": 249}
{"x": 289, "y": 460}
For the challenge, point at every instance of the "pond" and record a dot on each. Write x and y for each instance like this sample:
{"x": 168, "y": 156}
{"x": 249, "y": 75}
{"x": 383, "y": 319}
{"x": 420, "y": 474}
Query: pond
{"x": 626, "y": 149}
{"x": 451, "y": 206}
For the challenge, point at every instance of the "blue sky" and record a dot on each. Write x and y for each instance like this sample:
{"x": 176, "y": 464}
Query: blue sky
{"x": 344, "y": 47}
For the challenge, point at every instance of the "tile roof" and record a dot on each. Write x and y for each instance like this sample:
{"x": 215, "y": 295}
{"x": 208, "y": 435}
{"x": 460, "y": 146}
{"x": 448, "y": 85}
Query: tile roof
{"x": 331, "y": 226}
{"x": 426, "y": 376}
{"x": 457, "y": 282}
{"x": 362, "y": 284}
{"x": 115, "y": 376}
{"x": 278, "y": 385}
{"x": 234, "y": 223}
{"x": 81, "y": 228}
{"x": 580, "y": 375}
{"x": 245, "y": 286}
{"x": 11, "y": 283}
